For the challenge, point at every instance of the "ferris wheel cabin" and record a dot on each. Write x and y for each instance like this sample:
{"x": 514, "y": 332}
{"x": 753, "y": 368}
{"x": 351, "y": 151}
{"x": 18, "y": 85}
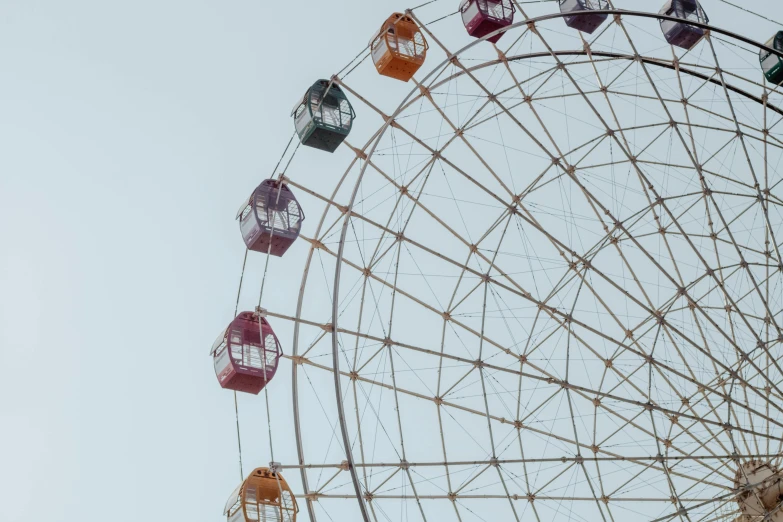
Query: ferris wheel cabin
{"x": 771, "y": 63}
{"x": 588, "y": 22}
{"x": 679, "y": 33}
{"x": 398, "y": 49}
{"x": 246, "y": 354}
{"x": 263, "y": 497}
{"x": 482, "y": 17}
{"x": 323, "y": 117}
{"x": 271, "y": 220}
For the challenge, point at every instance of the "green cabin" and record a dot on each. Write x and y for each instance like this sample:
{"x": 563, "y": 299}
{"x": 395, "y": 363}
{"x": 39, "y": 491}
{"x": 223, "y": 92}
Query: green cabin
{"x": 771, "y": 63}
{"x": 323, "y": 117}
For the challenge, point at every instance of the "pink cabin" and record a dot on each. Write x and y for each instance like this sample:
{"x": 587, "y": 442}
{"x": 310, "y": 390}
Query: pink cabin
{"x": 246, "y": 354}
{"x": 482, "y": 17}
{"x": 586, "y": 21}
{"x": 270, "y": 221}
{"x": 683, "y": 34}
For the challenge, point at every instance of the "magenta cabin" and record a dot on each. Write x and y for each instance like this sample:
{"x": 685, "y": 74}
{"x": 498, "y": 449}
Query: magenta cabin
{"x": 482, "y": 17}
{"x": 246, "y": 354}
{"x": 683, "y": 34}
{"x": 270, "y": 221}
{"x": 585, "y": 21}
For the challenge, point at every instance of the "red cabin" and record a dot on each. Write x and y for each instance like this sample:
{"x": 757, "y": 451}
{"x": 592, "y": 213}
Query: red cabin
{"x": 270, "y": 221}
{"x": 482, "y": 17}
{"x": 246, "y": 354}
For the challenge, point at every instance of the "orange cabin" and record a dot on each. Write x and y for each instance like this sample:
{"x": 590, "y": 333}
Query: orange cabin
{"x": 263, "y": 496}
{"x": 399, "y": 48}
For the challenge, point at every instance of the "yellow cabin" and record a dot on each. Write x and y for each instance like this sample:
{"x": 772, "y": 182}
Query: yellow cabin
{"x": 263, "y": 496}
{"x": 399, "y": 48}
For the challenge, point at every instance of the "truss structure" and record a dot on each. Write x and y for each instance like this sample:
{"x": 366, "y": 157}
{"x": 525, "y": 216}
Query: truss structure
{"x": 547, "y": 286}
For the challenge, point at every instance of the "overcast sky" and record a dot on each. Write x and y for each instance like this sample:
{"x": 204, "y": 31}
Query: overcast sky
{"x": 129, "y": 134}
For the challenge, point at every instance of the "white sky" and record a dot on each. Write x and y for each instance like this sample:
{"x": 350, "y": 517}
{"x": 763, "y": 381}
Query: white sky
{"x": 129, "y": 134}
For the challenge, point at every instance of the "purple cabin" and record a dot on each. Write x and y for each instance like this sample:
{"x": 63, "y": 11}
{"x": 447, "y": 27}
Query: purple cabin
{"x": 682, "y": 34}
{"x": 246, "y": 354}
{"x": 588, "y": 22}
{"x": 270, "y": 221}
{"x": 482, "y": 17}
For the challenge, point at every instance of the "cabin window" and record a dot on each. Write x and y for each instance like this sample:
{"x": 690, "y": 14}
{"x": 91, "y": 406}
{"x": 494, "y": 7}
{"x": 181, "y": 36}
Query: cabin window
{"x": 299, "y": 110}
{"x": 769, "y": 61}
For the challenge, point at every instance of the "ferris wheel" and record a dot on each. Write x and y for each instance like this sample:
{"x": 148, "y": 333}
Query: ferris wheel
{"x": 541, "y": 274}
